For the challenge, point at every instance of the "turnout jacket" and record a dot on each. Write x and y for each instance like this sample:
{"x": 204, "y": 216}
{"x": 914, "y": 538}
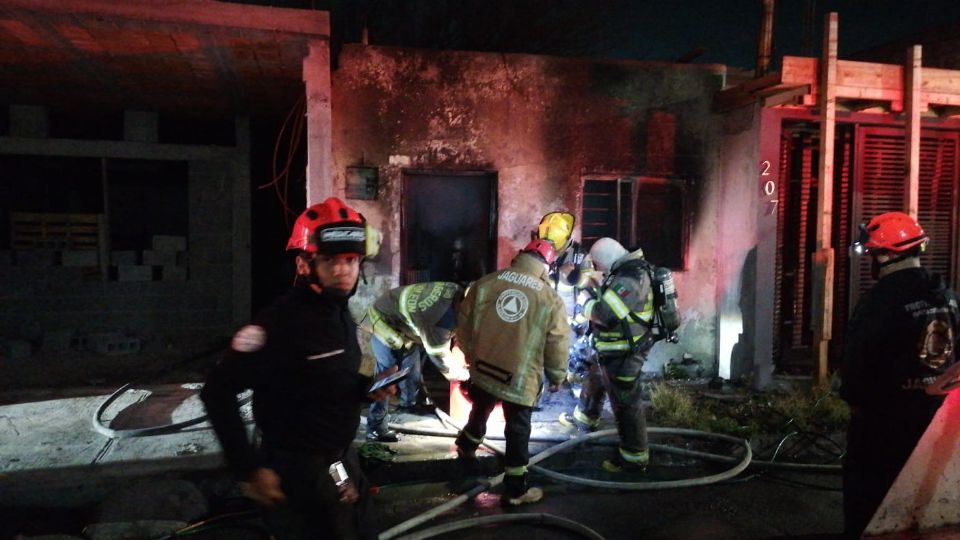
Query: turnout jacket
{"x": 888, "y": 357}
{"x": 419, "y": 313}
{"x": 301, "y": 358}
{"x": 622, "y": 310}
{"x": 512, "y": 328}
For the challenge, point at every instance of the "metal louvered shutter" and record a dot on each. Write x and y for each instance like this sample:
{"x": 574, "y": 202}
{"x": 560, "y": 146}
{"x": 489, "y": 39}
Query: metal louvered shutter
{"x": 880, "y": 187}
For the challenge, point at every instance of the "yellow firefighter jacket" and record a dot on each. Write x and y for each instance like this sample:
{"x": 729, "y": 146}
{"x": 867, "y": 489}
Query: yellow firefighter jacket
{"x": 512, "y": 328}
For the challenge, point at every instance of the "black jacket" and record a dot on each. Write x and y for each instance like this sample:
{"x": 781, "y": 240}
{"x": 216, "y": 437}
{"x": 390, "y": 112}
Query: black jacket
{"x": 301, "y": 358}
{"x": 882, "y": 371}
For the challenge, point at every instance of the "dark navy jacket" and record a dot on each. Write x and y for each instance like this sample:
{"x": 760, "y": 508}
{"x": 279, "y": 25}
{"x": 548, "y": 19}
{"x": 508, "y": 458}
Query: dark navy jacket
{"x": 301, "y": 358}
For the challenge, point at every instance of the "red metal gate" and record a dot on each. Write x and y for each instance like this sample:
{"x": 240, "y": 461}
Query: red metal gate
{"x": 869, "y": 168}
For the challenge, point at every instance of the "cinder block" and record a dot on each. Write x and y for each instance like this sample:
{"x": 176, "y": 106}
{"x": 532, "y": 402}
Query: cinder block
{"x": 76, "y": 257}
{"x": 134, "y": 272}
{"x": 169, "y": 243}
{"x": 17, "y": 349}
{"x": 29, "y": 121}
{"x": 112, "y": 343}
{"x": 36, "y": 258}
{"x": 140, "y": 126}
{"x": 159, "y": 258}
{"x": 6, "y": 257}
{"x": 58, "y": 340}
{"x": 123, "y": 257}
{"x": 183, "y": 258}
{"x": 173, "y": 273}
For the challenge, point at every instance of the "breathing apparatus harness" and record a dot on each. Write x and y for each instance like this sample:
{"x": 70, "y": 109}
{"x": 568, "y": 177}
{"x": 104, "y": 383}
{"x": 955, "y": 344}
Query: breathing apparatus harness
{"x": 665, "y": 319}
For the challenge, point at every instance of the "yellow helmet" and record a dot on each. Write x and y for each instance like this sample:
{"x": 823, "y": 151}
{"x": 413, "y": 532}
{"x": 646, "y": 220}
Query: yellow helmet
{"x": 557, "y": 228}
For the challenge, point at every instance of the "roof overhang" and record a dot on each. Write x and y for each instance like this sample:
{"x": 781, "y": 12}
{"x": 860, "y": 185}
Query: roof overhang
{"x": 189, "y": 56}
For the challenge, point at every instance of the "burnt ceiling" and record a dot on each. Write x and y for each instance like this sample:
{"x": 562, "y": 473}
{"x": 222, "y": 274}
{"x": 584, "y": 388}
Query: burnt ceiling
{"x": 186, "y": 56}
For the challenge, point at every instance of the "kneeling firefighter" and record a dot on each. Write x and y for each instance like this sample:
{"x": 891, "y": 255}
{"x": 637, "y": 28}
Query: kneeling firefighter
{"x": 406, "y": 322}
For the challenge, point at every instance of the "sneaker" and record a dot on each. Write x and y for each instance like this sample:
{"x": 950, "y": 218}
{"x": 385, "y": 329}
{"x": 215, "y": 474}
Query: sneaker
{"x": 532, "y": 495}
{"x": 385, "y": 435}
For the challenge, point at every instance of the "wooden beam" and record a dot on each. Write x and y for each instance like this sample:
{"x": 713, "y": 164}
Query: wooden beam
{"x": 822, "y": 288}
{"x": 876, "y": 85}
{"x": 912, "y": 84}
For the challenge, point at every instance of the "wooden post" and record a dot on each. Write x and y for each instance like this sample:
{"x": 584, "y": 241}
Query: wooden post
{"x": 822, "y": 263}
{"x": 912, "y": 81}
{"x": 316, "y": 76}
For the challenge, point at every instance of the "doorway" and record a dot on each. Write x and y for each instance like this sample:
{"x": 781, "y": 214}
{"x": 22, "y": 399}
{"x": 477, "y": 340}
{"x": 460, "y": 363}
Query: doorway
{"x": 448, "y": 226}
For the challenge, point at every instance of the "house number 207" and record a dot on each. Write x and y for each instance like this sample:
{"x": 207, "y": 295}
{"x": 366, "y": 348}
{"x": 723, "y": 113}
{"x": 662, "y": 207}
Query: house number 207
{"x": 769, "y": 188}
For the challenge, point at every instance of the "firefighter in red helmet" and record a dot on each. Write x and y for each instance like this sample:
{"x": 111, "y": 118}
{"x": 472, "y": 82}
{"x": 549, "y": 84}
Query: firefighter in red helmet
{"x": 301, "y": 358}
{"x": 901, "y": 338}
{"x": 512, "y": 329}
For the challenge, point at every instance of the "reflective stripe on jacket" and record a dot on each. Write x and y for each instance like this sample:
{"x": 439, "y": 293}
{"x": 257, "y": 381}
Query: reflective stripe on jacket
{"x": 416, "y": 313}
{"x": 623, "y": 310}
{"x": 512, "y": 327}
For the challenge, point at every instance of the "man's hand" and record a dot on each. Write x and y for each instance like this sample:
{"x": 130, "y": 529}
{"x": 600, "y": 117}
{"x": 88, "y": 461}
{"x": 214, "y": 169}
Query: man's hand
{"x": 263, "y": 486}
{"x": 387, "y": 391}
{"x": 348, "y": 492}
{"x": 553, "y": 388}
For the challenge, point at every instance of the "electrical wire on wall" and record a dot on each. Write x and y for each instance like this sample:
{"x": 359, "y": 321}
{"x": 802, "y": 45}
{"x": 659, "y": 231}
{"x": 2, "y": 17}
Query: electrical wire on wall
{"x": 280, "y": 180}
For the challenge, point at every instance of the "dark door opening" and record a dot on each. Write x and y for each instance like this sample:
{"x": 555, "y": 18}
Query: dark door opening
{"x": 448, "y": 226}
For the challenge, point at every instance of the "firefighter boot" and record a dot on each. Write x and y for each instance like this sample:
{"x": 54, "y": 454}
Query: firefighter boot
{"x": 517, "y": 492}
{"x": 626, "y": 460}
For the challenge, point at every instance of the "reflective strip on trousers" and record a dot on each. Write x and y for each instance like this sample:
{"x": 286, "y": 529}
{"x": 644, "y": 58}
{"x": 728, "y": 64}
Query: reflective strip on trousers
{"x": 515, "y": 471}
{"x": 582, "y": 417}
{"x": 630, "y": 456}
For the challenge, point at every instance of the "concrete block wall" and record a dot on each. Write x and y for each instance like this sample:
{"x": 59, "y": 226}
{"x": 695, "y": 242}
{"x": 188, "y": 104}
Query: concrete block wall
{"x": 154, "y": 296}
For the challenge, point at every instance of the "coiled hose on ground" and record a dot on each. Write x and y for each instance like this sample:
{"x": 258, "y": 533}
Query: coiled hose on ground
{"x": 416, "y": 521}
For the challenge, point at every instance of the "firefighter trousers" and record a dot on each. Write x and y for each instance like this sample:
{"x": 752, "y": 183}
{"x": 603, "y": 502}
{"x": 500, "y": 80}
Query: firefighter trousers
{"x": 617, "y": 377}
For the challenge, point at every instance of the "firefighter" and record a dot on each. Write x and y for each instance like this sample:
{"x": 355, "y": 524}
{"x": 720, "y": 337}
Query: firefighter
{"x": 512, "y": 329}
{"x": 569, "y": 275}
{"x": 621, "y": 315}
{"x": 405, "y": 323}
{"x": 301, "y": 358}
{"x": 901, "y": 337}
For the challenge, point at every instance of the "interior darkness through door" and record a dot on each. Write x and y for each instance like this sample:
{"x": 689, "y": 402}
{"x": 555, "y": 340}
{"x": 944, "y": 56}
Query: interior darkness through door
{"x": 448, "y": 226}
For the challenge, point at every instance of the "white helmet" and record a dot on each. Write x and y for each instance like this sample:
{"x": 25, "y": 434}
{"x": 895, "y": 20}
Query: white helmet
{"x": 605, "y": 252}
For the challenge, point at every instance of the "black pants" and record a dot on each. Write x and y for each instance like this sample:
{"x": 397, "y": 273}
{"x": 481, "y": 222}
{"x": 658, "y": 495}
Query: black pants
{"x": 516, "y": 431}
{"x": 878, "y": 446}
{"x": 313, "y": 509}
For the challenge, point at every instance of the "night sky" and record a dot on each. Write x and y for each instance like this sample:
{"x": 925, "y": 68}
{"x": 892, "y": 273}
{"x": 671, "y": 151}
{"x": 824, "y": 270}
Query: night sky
{"x": 663, "y": 30}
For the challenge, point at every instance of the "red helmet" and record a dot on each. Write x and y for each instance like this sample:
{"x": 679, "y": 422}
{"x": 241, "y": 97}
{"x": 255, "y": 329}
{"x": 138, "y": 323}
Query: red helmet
{"x": 543, "y": 248}
{"x": 331, "y": 228}
{"x": 892, "y": 231}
